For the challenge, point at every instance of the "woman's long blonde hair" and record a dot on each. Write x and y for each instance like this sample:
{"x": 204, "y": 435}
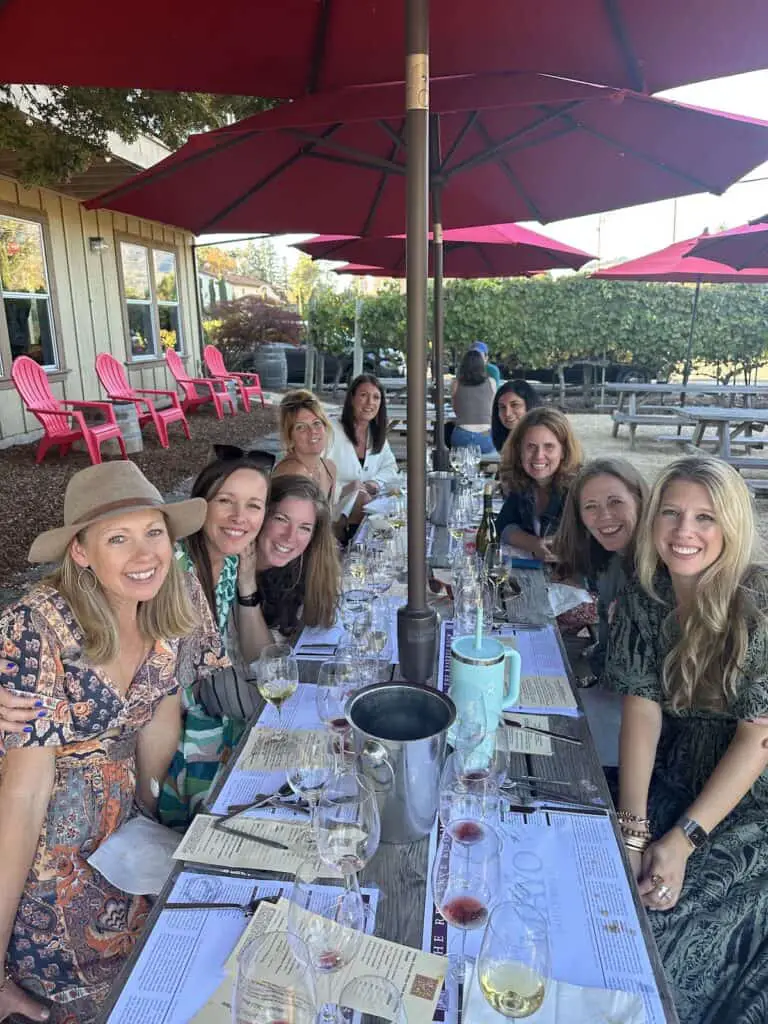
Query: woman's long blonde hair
{"x": 168, "y": 616}
{"x": 513, "y": 476}
{"x": 704, "y": 667}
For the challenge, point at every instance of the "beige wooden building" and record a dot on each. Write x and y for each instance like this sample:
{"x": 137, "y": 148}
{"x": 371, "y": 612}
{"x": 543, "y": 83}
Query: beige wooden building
{"x": 75, "y": 282}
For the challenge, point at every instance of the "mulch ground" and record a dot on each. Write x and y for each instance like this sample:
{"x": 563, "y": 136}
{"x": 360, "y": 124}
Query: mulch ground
{"x": 34, "y": 495}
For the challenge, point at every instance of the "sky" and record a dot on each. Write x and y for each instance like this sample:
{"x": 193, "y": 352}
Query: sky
{"x": 642, "y": 229}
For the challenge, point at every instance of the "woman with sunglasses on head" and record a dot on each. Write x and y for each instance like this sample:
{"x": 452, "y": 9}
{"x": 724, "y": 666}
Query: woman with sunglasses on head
{"x": 365, "y": 463}
{"x": 688, "y": 649}
{"x": 305, "y": 431}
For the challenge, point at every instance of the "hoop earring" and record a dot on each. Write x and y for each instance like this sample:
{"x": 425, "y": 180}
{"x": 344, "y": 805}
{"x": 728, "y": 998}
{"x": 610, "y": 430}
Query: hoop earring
{"x": 86, "y": 580}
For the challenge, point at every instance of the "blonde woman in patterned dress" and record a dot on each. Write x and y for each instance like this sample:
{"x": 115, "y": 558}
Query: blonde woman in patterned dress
{"x": 96, "y": 644}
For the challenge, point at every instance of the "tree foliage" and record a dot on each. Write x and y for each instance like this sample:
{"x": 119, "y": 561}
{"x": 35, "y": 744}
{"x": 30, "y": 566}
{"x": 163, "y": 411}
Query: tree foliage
{"x": 63, "y": 129}
{"x": 260, "y": 258}
{"x": 547, "y": 322}
{"x": 240, "y": 326}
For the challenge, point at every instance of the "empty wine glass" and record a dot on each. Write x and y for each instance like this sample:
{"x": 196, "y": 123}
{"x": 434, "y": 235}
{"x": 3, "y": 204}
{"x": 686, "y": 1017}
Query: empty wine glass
{"x": 496, "y": 571}
{"x": 277, "y": 679}
{"x": 513, "y": 967}
{"x": 375, "y": 997}
{"x": 468, "y": 793}
{"x": 355, "y": 608}
{"x": 348, "y": 827}
{"x": 330, "y": 922}
{"x": 466, "y": 879}
{"x": 469, "y": 729}
{"x": 336, "y": 682}
{"x": 381, "y": 569}
{"x": 275, "y": 982}
{"x": 311, "y": 761}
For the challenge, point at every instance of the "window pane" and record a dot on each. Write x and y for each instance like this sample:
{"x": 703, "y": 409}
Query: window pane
{"x": 140, "y": 329}
{"x": 165, "y": 275}
{"x": 135, "y": 271}
{"x": 22, "y": 263}
{"x": 170, "y": 335}
{"x": 30, "y": 330}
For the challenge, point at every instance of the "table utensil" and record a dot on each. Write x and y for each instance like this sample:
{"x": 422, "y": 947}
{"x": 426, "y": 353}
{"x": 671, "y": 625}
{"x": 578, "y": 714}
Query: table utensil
{"x": 248, "y": 909}
{"x": 273, "y": 844}
{"x": 513, "y": 723}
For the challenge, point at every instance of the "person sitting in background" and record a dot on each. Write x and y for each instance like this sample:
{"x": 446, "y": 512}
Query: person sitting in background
{"x": 594, "y": 547}
{"x": 472, "y": 398}
{"x": 222, "y": 556}
{"x": 492, "y": 369}
{"x": 510, "y": 403}
{"x": 688, "y": 649}
{"x": 306, "y": 431}
{"x": 96, "y": 644}
{"x": 540, "y": 459}
{"x": 365, "y": 463}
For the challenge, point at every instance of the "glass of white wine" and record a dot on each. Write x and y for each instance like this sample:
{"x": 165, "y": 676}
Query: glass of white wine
{"x": 496, "y": 570}
{"x": 277, "y": 678}
{"x": 513, "y": 967}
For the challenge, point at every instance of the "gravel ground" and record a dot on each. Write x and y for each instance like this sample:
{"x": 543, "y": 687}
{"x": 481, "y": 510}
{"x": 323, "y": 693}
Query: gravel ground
{"x": 35, "y": 494}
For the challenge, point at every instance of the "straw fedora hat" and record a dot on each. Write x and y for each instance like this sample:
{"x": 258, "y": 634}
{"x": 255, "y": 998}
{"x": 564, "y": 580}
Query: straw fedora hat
{"x": 110, "y": 489}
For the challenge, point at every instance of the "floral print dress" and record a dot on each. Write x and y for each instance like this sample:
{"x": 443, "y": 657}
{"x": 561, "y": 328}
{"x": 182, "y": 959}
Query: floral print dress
{"x": 73, "y": 929}
{"x": 714, "y": 942}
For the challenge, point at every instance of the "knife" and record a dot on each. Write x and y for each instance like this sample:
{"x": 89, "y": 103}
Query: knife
{"x": 513, "y": 723}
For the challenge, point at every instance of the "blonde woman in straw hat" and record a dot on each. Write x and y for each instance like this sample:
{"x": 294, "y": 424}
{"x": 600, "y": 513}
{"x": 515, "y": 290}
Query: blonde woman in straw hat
{"x": 96, "y": 644}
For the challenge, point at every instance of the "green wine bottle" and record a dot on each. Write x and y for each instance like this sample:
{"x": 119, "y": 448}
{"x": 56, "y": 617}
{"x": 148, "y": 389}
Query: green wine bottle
{"x": 487, "y": 532}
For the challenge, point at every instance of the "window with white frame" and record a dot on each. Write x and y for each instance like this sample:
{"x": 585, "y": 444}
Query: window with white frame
{"x": 25, "y": 297}
{"x": 151, "y": 297}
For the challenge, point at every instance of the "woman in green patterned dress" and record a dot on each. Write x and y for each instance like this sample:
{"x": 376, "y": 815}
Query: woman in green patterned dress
{"x": 689, "y": 650}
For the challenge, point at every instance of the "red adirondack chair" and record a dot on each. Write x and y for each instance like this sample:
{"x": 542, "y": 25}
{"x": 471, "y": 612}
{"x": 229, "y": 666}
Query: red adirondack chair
{"x": 32, "y": 384}
{"x": 213, "y": 390}
{"x": 111, "y": 373}
{"x": 214, "y": 362}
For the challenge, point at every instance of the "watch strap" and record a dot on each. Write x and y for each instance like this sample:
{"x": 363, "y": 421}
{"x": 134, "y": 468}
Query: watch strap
{"x": 692, "y": 831}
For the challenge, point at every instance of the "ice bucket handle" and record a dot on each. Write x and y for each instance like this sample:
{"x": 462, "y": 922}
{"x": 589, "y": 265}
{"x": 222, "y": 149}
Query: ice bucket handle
{"x": 376, "y": 765}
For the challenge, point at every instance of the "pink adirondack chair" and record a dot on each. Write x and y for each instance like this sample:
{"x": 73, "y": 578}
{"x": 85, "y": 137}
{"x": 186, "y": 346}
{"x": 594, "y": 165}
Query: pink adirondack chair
{"x": 213, "y": 390}
{"x": 113, "y": 379}
{"x": 32, "y": 384}
{"x": 214, "y": 362}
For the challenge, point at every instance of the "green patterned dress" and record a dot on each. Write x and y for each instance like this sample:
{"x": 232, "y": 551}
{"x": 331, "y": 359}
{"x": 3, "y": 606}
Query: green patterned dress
{"x": 206, "y": 740}
{"x": 714, "y": 943}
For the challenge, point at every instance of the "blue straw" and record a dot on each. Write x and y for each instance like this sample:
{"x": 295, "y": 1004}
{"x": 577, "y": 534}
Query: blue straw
{"x": 479, "y": 626}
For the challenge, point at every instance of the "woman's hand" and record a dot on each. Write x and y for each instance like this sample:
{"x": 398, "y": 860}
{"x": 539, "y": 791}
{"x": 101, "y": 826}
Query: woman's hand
{"x": 16, "y": 711}
{"x": 371, "y": 487}
{"x": 543, "y": 549}
{"x": 246, "y": 569}
{"x": 15, "y": 1000}
{"x": 664, "y": 866}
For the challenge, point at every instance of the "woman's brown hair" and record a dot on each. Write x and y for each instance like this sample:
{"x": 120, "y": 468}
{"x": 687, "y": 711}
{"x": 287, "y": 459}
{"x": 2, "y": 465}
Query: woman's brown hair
{"x": 513, "y": 476}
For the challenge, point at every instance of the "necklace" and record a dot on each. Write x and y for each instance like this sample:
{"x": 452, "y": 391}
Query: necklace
{"x": 314, "y": 473}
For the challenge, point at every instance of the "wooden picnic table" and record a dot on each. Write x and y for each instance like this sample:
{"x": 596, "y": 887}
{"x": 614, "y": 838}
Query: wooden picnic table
{"x": 400, "y": 871}
{"x": 729, "y": 424}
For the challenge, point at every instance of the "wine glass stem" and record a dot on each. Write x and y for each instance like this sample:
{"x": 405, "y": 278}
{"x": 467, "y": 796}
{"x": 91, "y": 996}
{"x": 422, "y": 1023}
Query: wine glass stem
{"x": 460, "y": 968}
{"x": 352, "y": 882}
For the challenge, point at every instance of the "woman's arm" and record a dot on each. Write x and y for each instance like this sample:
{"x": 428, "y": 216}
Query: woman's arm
{"x": 386, "y": 472}
{"x": 25, "y": 791}
{"x": 252, "y": 631}
{"x": 529, "y": 542}
{"x": 454, "y": 389}
{"x": 638, "y": 740}
{"x": 16, "y": 711}
{"x": 155, "y": 748}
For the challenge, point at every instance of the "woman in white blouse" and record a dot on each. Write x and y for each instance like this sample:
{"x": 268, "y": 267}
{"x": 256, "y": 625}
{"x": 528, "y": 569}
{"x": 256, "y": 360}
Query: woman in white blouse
{"x": 365, "y": 464}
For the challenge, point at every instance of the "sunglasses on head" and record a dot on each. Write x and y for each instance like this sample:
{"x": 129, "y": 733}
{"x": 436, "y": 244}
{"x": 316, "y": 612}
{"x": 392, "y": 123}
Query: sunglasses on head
{"x": 256, "y": 457}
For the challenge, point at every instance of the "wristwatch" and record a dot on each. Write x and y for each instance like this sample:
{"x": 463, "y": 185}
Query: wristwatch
{"x": 692, "y": 831}
{"x": 250, "y": 600}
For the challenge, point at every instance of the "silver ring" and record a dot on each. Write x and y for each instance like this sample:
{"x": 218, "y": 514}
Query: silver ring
{"x": 664, "y": 892}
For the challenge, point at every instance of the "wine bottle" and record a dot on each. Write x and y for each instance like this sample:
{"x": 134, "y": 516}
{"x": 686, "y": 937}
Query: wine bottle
{"x": 487, "y": 532}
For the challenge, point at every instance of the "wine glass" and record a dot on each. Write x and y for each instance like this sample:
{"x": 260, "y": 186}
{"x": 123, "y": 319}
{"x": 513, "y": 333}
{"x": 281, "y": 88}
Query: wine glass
{"x": 336, "y": 682}
{"x": 513, "y": 966}
{"x": 311, "y": 760}
{"x": 355, "y": 608}
{"x": 466, "y": 879}
{"x": 470, "y": 728}
{"x": 261, "y": 999}
{"x": 277, "y": 679}
{"x": 348, "y": 827}
{"x": 330, "y": 922}
{"x": 381, "y": 569}
{"x": 376, "y": 997}
{"x": 469, "y": 793}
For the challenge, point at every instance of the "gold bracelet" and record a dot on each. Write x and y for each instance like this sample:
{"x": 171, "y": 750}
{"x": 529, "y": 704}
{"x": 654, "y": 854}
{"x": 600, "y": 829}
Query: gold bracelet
{"x": 632, "y": 819}
{"x": 627, "y": 831}
{"x": 639, "y": 847}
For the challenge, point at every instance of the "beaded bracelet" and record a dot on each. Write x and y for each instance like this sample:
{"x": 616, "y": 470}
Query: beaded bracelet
{"x": 632, "y": 819}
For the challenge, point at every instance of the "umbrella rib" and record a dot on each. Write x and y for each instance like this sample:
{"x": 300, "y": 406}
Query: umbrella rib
{"x": 318, "y": 47}
{"x": 496, "y": 147}
{"x": 480, "y": 249}
{"x": 360, "y": 158}
{"x": 512, "y": 178}
{"x": 275, "y": 172}
{"x": 468, "y": 124}
{"x": 379, "y": 190}
{"x": 640, "y": 156}
{"x": 396, "y": 137}
{"x": 346, "y": 161}
{"x": 619, "y": 32}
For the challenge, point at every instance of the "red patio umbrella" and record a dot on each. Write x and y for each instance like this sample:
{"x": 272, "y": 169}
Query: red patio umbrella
{"x": 675, "y": 263}
{"x": 497, "y": 250}
{"x": 503, "y": 148}
{"x": 741, "y": 248}
{"x": 290, "y": 47}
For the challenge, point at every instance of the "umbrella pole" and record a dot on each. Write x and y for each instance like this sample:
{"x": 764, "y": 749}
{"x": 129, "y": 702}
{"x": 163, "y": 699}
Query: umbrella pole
{"x": 416, "y": 622}
{"x": 689, "y": 350}
{"x": 438, "y": 354}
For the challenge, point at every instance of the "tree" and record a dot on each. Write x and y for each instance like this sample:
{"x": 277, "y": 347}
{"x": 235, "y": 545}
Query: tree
{"x": 216, "y": 261}
{"x": 307, "y": 280}
{"x": 261, "y": 259}
{"x": 63, "y": 129}
{"x": 240, "y": 326}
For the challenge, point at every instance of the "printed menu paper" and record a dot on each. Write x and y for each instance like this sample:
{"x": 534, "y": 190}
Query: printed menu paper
{"x": 274, "y": 750}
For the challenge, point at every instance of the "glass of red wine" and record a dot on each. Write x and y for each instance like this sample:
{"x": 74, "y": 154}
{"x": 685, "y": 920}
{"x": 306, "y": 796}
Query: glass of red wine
{"x": 466, "y": 880}
{"x": 470, "y": 791}
{"x": 336, "y": 682}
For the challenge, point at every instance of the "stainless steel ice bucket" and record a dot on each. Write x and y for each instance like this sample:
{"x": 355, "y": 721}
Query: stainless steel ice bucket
{"x": 442, "y": 487}
{"x": 399, "y": 732}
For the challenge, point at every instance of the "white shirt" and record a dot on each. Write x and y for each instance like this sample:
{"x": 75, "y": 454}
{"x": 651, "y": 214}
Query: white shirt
{"x": 380, "y": 467}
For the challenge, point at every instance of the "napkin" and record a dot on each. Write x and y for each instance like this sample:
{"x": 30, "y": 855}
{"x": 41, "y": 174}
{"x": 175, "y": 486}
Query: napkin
{"x": 563, "y": 1004}
{"x": 563, "y": 598}
{"x": 138, "y": 856}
